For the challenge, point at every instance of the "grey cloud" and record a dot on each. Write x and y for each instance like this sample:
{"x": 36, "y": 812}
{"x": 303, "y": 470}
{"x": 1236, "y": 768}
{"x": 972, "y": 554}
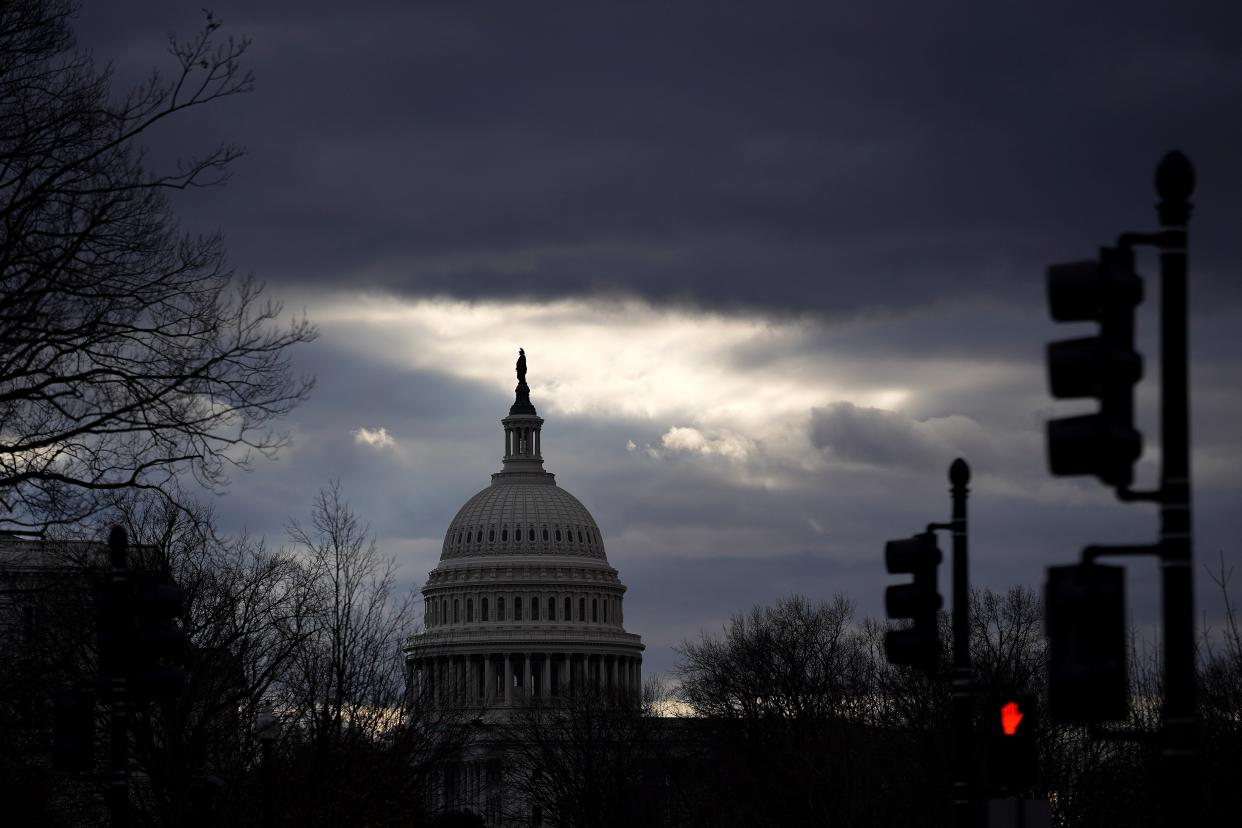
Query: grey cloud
{"x": 892, "y": 440}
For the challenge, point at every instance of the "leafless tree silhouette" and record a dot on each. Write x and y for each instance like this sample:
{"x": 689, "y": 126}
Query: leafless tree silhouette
{"x": 129, "y": 350}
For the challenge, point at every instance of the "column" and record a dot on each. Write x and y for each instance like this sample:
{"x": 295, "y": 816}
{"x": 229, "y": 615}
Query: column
{"x": 547, "y": 676}
{"x": 508, "y": 681}
{"x": 489, "y": 680}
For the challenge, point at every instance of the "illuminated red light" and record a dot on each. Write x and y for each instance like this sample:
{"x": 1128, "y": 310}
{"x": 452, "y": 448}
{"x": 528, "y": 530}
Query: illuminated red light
{"x": 1011, "y": 717}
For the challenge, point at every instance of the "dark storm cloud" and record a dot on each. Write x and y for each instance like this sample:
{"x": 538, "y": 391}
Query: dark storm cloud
{"x": 791, "y": 156}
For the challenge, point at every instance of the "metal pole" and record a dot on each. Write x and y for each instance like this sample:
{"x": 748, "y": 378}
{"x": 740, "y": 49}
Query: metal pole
{"x": 267, "y": 782}
{"x": 1179, "y": 736}
{"x": 963, "y": 732}
{"x": 118, "y": 781}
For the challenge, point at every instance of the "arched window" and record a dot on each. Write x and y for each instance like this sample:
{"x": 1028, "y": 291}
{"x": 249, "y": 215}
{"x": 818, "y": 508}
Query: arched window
{"x": 594, "y": 610}
{"x": 468, "y": 537}
{"x": 581, "y": 609}
{"x": 534, "y": 609}
{"x": 483, "y": 610}
{"x": 606, "y": 602}
{"x": 504, "y": 534}
{"x": 491, "y": 536}
{"x": 579, "y": 536}
{"x": 456, "y": 611}
{"x": 444, "y": 611}
{"x": 558, "y": 535}
{"x": 545, "y": 534}
{"x": 470, "y": 611}
{"x": 517, "y": 608}
{"x": 500, "y": 609}
{"x": 551, "y": 608}
{"x": 530, "y": 534}
{"x": 568, "y": 615}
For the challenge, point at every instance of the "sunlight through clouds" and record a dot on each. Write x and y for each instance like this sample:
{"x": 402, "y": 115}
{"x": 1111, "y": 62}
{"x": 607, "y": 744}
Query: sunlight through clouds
{"x": 715, "y": 384}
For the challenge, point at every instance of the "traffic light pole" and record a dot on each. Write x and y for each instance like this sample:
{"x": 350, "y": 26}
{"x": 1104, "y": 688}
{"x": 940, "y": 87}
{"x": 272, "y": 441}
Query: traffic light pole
{"x": 118, "y": 779}
{"x": 963, "y": 680}
{"x": 1179, "y": 737}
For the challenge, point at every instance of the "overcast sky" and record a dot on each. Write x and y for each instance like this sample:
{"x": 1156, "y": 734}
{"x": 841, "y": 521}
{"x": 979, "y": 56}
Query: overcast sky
{"x": 774, "y": 266}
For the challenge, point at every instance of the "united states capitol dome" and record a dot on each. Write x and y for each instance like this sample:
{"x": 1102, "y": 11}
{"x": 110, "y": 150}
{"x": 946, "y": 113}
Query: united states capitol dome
{"x": 523, "y": 603}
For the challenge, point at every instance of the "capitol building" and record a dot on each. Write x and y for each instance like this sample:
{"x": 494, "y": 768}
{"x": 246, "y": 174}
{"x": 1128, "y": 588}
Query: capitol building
{"x": 523, "y": 606}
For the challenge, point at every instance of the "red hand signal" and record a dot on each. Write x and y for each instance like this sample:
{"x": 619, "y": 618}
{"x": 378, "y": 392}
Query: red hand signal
{"x": 1010, "y": 718}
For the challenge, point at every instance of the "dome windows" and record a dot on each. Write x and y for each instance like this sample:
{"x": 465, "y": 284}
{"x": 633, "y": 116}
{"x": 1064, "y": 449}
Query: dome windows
{"x": 500, "y": 609}
{"x": 517, "y": 608}
{"x": 545, "y": 534}
{"x": 491, "y": 536}
{"x": 483, "y": 610}
{"x": 582, "y": 609}
{"x": 467, "y": 537}
{"x": 568, "y": 614}
{"x": 530, "y": 535}
{"x": 580, "y": 536}
{"x": 558, "y": 535}
{"x": 504, "y": 534}
{"x": 470, "y": 610}
{"x": 534, "y": 609}
{"x": 551, "y": 608}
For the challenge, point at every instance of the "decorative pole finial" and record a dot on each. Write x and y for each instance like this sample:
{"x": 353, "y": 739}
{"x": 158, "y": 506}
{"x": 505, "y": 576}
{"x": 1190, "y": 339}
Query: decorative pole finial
{"x": 1175, "y": 181}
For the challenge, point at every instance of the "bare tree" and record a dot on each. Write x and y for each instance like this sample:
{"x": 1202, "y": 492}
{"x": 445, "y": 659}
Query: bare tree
{"x": 358, "y": 753}
{"x": 587, "y": 760}
{"x": 129, "y": 350}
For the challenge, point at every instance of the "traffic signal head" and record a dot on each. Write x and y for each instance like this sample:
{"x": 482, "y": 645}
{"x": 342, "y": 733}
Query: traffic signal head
{"x": 1107, "y": 367}
{"x": 161, "y": 643}
{"x": 918, "y": 645}
{"x": 1012, "y": 720}
{"x": 1088, "y": 680}
{"x": 114, "y": 626}
{"x": 73, "y": 730}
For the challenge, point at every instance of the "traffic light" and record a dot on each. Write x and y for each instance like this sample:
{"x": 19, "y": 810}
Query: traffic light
{"x": 1106, "y": 366}
{"x": 114, "y": 626}
{"x": 1088, "y": 679}
{"x": 136, "y": 628}
{"x": 1013, "y": 765}
{"x": 919, "y": 645}
{"x": 159, "y": 648}
{"x": 73, "y": 730}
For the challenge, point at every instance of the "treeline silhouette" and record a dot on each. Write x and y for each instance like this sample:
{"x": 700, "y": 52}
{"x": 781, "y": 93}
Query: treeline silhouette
{"x": 793, "y": 716}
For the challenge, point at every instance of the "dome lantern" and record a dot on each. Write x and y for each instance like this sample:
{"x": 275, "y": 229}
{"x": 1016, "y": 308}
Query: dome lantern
{"x": 523, "y": 450}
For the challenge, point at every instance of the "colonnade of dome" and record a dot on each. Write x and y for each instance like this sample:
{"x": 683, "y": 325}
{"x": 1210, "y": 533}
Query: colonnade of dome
{"x": 496, "y": 679}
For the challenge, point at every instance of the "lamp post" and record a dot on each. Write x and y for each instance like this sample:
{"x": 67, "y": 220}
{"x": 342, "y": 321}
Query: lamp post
{"x": 267, "y": 731}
